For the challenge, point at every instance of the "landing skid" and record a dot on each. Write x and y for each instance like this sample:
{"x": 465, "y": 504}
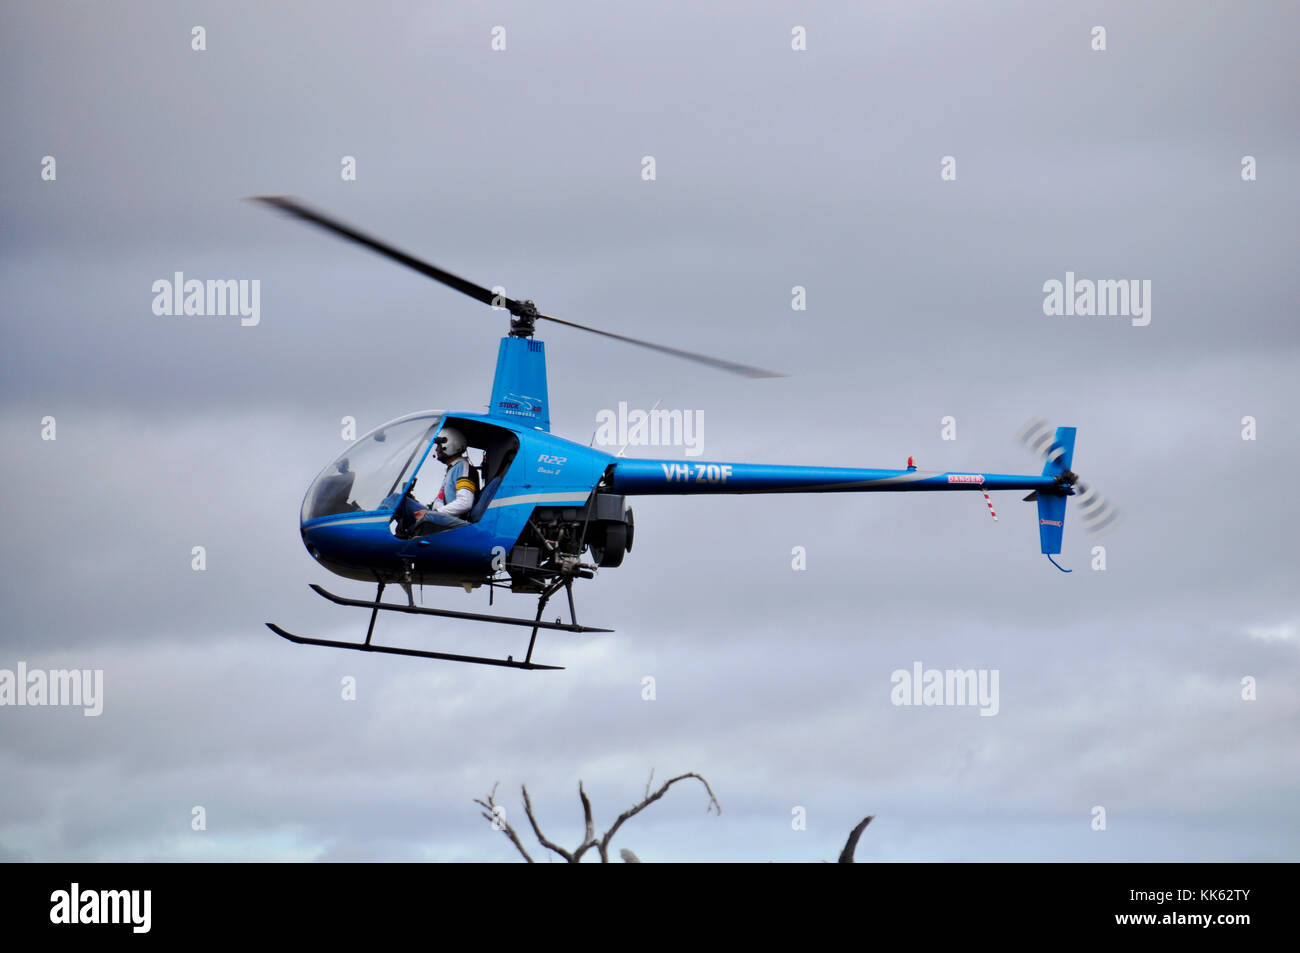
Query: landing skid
{"x": 449, "y": 613}
{"x": 369, "y": 647}
{"x": 508, "y": 662}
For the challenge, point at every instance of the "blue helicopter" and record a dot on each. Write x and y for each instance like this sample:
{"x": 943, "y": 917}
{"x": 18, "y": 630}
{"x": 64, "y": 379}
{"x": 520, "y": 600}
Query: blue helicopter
{"x": 547, "y": 511}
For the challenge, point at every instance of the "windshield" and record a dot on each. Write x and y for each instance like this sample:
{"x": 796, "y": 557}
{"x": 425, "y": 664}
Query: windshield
{"x": 372, "y": 468}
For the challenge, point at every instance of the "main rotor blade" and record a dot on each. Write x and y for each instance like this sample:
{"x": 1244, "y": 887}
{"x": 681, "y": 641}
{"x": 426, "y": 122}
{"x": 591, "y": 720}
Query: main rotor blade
{"x": 298, "y": 210}
{"x": 732, "y": 366}
{"x": 520, "y": 309}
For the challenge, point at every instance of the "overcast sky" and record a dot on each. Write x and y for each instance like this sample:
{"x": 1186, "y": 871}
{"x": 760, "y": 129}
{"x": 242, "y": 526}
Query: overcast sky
{"x": 774, "y": 168}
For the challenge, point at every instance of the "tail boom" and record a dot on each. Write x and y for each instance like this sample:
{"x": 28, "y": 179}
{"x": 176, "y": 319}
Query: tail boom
{"x": 1050, "y": 489}
{"x": 677, "y": 478}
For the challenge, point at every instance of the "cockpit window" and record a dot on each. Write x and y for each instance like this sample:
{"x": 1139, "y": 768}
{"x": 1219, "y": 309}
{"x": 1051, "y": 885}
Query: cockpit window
{"x": 374, "y": 467}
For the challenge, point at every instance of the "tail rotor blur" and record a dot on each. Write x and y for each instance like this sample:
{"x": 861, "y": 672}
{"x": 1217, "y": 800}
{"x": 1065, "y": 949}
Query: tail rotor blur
{"x": 1099, "y": 517}
{"x": 1042, "y": 439}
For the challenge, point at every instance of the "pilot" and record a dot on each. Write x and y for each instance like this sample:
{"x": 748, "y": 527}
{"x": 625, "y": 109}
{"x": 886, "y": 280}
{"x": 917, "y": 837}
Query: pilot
{"x": 456, "y": 497}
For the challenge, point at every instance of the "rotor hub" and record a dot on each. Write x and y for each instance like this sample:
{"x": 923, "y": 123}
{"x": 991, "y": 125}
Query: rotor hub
{"x": 523, "y": 320}
{"x": 1067, "y": 478}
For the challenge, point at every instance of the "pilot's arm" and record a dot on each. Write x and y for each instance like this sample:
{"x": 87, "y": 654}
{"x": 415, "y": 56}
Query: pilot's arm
{"x": 463, "y": 503}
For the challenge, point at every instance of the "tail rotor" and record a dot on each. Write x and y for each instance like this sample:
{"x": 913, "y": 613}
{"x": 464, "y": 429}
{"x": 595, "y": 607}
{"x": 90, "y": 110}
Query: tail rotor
{"x": 1041, "y": 438}
{"x": 1055, "y": 445}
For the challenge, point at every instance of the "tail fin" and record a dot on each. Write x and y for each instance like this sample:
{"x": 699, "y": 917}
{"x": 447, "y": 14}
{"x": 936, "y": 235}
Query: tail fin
{"x": 1051, "y": 506}
{"x": 1060, "y": 453}
{"x": 1051, "y": 522}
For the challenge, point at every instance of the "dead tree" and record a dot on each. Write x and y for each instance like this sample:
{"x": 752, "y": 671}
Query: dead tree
{"x": 495, "y": 813}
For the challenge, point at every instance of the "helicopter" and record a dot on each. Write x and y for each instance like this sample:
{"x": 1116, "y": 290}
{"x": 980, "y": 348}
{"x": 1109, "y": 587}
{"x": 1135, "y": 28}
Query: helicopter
{"x": 548, "y": 511}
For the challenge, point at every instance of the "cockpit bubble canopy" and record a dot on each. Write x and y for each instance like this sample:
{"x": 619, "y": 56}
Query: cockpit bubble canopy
{"x": 374, "y": 467}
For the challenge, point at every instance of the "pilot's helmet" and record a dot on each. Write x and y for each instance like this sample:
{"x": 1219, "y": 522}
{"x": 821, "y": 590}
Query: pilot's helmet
{"x": 450, "y": 441}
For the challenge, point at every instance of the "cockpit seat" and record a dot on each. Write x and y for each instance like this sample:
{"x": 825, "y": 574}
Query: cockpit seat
{"x": 484, "y": 498}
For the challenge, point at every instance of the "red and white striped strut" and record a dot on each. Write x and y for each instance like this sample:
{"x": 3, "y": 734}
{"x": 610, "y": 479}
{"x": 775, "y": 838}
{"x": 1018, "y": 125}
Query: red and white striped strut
{"x": 992, "y": 512}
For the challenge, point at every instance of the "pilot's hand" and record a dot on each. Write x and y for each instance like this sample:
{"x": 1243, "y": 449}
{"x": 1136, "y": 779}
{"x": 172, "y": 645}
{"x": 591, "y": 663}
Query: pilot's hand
{"x": 419, "y": 514}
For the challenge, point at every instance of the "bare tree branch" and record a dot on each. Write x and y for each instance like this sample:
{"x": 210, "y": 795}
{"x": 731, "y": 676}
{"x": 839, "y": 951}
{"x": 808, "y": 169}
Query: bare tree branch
{"x": 589, "y": 838}
{"x": 541, "y": 838}
{"x": 491, "y": 815}
{"x": 636, "y": 809}
{"x": 851, "y": 845}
